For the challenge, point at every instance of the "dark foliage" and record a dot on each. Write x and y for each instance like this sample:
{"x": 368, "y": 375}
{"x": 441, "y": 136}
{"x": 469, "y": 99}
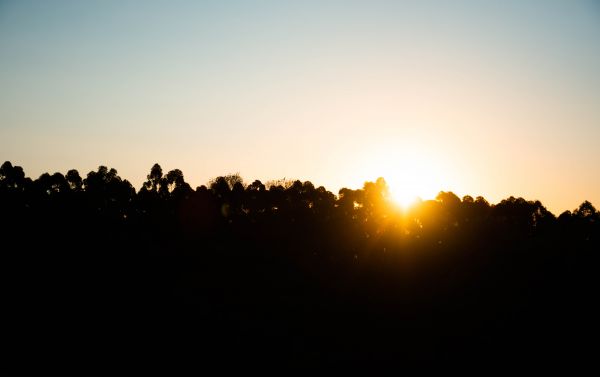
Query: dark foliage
{"x": 99, "y": 278}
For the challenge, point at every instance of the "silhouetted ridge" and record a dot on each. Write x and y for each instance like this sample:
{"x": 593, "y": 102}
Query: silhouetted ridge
{"x": 99, "y": 278}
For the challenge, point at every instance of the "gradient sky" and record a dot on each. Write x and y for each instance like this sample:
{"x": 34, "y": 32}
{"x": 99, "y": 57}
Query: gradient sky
{"x": 478, "y": 97}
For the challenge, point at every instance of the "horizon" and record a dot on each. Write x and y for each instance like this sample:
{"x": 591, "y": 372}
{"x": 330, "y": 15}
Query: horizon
{"x": 397, "y": 198}
{"x": 490, "y": 99}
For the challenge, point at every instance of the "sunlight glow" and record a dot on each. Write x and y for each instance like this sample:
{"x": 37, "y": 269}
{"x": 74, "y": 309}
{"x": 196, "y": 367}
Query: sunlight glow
{"x": 411, "y": 184}
{"x": 404, "y": 199}
{"x": 411, "y": 172}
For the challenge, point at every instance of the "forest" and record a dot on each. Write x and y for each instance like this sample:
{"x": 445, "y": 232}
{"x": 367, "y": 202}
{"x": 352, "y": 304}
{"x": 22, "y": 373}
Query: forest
{"x": 99, "y": 277}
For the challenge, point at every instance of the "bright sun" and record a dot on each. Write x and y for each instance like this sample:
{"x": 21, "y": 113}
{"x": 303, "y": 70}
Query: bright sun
{"x": 411, "y": 174}
{"x": 408, "y": 186}
{"x": 403, "y": 198}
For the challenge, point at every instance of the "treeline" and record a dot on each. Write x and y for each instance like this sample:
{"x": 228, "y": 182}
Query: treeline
{"x": 167, "y": 201}
{"x": 287, "y": 273}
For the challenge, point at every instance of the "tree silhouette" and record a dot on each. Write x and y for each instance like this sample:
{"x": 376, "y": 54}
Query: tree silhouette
{"x": 586, "y": 211}
{"x": 74, "y": 180}
{"x": 154, "y": 178}
{"x": 285, "y": 271}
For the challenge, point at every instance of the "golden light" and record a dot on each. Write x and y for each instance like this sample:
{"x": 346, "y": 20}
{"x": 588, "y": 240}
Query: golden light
{"x": 411, "y": 173}
{"x": 410, "y": 183}
{"x": 404, "y": 199}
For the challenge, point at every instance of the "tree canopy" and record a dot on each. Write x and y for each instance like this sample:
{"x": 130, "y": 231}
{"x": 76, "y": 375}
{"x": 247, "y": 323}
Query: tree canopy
{"x": 290, "y": 270}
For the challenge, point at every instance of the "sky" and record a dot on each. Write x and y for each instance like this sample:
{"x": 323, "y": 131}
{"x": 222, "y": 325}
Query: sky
{"x": 490, "y": 98}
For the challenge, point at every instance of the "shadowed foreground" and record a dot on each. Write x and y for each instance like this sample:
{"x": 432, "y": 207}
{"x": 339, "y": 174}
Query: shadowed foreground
{"x": 99, "y": 278}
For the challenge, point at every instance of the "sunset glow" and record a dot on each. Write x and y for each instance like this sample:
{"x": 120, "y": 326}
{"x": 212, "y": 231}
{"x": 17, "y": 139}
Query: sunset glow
{"x": 482, "y": 99}
{"x": 411, "y": 171}
{"x": 403, "y": 199}
{"x": 198, "y": 185}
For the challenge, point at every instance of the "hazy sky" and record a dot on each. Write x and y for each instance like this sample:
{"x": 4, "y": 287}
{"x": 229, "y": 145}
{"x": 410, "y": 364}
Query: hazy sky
{"x": 478, "y": 97}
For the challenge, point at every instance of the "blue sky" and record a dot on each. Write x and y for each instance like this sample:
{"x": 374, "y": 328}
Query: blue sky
{"x": 479, "y": 97}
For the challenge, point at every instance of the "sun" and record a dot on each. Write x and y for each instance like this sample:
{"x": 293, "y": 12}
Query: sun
{"x": 411, "y": 173}
{"x": 409, "y": 186}
{"x": 403, "y": 198}
{"x": 410, "y": 183}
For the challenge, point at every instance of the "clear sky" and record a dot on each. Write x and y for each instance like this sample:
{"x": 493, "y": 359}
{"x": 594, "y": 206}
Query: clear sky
{"x": 478, "y": 97}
